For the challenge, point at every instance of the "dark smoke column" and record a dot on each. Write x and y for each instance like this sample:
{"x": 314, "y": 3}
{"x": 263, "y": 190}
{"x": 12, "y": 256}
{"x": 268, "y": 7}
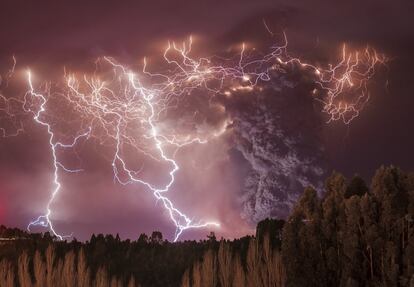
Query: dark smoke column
{"x": 275, "y": 129}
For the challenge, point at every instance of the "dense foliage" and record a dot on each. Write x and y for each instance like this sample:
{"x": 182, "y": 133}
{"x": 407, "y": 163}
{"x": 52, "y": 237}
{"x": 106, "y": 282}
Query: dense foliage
{"x": 352, "y": 235}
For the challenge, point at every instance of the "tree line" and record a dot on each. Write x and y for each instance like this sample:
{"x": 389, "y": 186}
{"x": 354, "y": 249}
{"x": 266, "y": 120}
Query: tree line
{"x": 348, "y": 235}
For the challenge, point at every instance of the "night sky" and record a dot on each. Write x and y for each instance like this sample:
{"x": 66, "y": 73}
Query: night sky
{"x": 219, "y": 180}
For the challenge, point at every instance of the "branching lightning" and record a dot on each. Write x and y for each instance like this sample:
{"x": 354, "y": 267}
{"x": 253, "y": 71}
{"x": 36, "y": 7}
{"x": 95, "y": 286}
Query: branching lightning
{"x": 127, "y": 109}
{"x": 44, "y": 220}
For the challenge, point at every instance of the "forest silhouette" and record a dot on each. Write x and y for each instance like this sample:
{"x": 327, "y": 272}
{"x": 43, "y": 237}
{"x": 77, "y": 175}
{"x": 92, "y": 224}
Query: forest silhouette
{"x": 350, "y": 235}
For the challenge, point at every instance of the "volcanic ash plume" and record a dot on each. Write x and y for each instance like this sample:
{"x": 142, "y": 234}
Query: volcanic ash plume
{"x": 275, "y": 130}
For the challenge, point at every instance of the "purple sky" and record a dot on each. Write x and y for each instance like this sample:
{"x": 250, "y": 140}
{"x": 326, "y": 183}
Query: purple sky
{"x": 49, "y": 35}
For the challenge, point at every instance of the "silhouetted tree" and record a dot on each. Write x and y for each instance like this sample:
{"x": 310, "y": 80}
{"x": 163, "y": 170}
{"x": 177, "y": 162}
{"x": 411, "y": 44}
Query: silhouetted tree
{"x": 143, "y": 238}
{"x": 357, "y": 186}
{"x": 349, "y": 236}
{"x": 212, "y": 237}
{"x": 156, "y": 237}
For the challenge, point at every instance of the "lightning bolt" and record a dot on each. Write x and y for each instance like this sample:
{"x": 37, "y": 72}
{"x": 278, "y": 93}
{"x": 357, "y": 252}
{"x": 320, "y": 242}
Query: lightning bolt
{"x": 44, "y": 220}
{"x": 127, "y": 105}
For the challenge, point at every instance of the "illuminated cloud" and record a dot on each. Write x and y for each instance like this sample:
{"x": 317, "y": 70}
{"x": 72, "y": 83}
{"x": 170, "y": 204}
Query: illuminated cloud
{"x": 263, "y": 140}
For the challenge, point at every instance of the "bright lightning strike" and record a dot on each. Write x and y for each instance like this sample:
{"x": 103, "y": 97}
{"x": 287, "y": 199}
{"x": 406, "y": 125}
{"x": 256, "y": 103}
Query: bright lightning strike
{"x": 127, "y": 109}
{"x": 44, "y": 220}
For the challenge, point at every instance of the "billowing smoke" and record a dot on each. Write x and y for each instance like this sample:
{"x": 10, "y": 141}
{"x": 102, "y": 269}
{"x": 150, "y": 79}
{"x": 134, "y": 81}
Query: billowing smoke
{"x": 244, "y": 128}
{"x": 275, "y": 138}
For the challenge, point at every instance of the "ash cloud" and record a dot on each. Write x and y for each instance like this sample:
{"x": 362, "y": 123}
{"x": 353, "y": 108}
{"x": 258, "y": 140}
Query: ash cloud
{"x": 275, "y": 132}
{"x": 272, "y": 130}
